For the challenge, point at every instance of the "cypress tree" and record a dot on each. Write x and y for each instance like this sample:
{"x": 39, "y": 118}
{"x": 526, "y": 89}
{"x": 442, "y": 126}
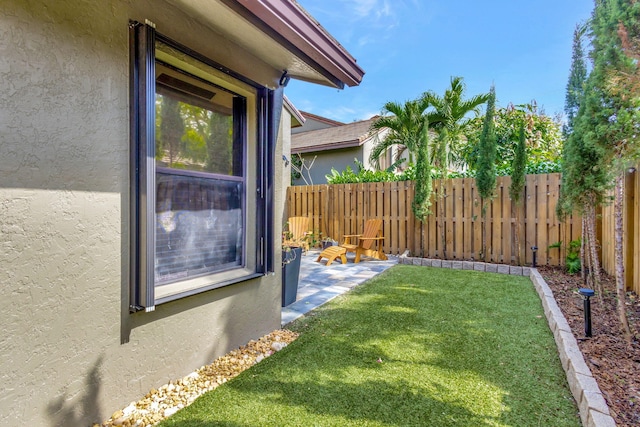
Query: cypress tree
{"x": 612, "y": 109}
{"x": 486, "y": 174}
{"x": 577, "y": 77}
{"x": 517, "y": 183}
{"x": 422, "y": 199}
{"x": 573, "y": 166}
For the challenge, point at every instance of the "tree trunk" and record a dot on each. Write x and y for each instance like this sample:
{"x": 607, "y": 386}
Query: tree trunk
{"x": 618, "y": 236}
{"x": 595, "y": 260}
{"x": 593, "y": 263}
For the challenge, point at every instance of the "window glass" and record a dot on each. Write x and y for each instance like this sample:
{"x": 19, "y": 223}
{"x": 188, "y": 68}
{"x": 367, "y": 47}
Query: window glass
{"x": 199, "y": 144}
{"x": 194, "y": 124}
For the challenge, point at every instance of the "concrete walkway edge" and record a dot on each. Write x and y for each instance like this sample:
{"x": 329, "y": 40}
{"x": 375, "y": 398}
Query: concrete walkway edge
{"x": 594, "y": 411}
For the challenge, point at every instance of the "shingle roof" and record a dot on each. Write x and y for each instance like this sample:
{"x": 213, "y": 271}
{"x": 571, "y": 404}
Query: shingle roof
{"x": 349, "y": 135}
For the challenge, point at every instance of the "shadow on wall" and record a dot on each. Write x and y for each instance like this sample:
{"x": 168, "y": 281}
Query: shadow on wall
{"x": 81, "y": 410}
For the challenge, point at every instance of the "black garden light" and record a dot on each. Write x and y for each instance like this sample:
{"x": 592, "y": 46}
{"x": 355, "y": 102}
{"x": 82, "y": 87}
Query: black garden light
{"x": 534, "y": 249}
{"x": 586, "y": 294}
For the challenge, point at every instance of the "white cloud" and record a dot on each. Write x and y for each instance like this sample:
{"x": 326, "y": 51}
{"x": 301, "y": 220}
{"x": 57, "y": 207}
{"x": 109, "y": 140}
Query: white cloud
{"x": 363, "y": 8}
{"x": 347, "y": 114}
{"x": 378, "y": 9}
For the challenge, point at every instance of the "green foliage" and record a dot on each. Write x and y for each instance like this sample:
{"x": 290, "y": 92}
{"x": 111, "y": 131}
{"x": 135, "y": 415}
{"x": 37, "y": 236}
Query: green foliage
{"x": 486, "y": 171}
{"x": 422, "y": 199}
{"x": 606, "y": 128}
{"x": 219, "y": 144}
{"x": 577, "y": 77}
{"x": 448, "y": 116}
{"x": 348, "y": 176}
{"x": 296, "y": 160}
{"x": 612, "y": 104}
{"x": 171, "y": 130}
{"x": 573, "y": 257}
{"x": 572, "y": 260}
{"x": 543, "y": 136}
{"x": 581, "y": 173}
{"x": 410, "y": 173}
{"x": 519, "y": 168}
{"x": 405, "y": 123}
{"x": 192, "y": 137}
{"x": 544, "y": 167}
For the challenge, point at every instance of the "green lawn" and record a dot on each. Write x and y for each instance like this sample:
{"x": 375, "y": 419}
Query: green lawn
{"x": 415, "y": 346}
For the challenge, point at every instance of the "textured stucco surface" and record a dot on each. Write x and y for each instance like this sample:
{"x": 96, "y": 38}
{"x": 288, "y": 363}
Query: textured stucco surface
{"x": 324, "y": 161}
{"x": 70, "y": 352}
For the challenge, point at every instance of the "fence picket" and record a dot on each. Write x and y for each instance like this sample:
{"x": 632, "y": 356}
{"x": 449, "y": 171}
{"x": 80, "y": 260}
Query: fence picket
{"x": 507, "y": 219}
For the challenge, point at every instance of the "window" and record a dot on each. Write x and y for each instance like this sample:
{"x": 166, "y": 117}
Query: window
{"x": 202, "y": 173}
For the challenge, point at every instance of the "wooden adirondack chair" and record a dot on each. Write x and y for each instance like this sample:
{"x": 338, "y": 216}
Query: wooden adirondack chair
{"x": 368, "y": 243}
{"x": 297, "y": 233}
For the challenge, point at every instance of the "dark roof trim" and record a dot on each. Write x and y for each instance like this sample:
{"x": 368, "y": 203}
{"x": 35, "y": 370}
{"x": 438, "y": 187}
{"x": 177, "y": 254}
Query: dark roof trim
{"x": 290, "y": 25}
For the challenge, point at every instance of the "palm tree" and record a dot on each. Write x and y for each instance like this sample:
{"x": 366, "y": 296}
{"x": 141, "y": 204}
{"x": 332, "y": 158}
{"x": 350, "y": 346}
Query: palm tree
{"x": 405, "y": 123}
{"x": 450, "y": 113}
{"x": 449, "y": 117}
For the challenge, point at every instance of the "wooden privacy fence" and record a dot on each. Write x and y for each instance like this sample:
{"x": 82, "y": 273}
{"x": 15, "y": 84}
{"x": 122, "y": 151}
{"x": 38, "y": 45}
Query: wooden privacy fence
{"x": 336, "y": 210}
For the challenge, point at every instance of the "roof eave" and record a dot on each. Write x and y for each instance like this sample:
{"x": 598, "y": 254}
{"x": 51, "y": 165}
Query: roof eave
{"x": 327, "y": 147}
{"x": 287, "y": 23}
{"x": 297, "y": 119}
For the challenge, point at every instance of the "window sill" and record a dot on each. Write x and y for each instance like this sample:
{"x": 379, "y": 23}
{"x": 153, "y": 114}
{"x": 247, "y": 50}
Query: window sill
{"x": 173, "y": 291}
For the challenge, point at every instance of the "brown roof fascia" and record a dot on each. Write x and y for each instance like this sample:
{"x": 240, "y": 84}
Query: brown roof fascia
{"x": 289, "y": 24}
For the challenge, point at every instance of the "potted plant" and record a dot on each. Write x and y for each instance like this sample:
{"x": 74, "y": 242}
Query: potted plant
{"x": 291, "y": 258}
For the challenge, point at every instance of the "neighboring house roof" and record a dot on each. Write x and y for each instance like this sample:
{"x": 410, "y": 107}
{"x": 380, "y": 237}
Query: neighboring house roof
{"x": 332, "y": 138}
{"x": 297, "y": 118}
{"x": 281, "y": 33}
{"x": 321, "y": 119}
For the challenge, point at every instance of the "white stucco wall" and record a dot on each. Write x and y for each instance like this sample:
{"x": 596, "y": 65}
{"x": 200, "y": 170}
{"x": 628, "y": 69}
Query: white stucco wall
{"x": 70, "y": 352}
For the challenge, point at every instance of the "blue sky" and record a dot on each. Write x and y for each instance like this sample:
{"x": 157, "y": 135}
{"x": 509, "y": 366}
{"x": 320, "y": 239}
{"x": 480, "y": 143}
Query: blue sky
{"x": 407, "y": 47}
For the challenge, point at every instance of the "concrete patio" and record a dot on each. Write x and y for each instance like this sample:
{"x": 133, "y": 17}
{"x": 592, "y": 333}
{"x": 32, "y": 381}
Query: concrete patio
{"x": 319, "y": 283}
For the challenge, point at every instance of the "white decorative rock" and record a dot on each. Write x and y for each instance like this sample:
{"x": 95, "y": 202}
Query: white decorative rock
{"x": 170, "y": 411}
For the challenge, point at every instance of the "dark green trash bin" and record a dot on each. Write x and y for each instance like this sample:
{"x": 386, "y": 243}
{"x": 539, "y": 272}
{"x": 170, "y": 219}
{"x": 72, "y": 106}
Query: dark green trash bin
{"x": 290, "y": 275}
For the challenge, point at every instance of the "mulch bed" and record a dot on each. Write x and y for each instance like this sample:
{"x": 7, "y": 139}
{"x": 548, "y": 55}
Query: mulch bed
{"x": 614, "y": 362}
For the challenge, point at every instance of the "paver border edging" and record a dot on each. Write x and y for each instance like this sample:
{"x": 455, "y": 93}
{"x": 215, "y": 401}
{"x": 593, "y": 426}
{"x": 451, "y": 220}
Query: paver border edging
{"x": 594, "y": 411}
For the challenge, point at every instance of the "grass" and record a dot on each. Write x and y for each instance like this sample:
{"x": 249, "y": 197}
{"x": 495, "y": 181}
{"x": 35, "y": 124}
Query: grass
{"x": 414, "y": 346}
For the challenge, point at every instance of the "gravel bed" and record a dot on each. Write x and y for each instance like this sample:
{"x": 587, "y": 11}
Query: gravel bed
{"x": 165, "y": 401}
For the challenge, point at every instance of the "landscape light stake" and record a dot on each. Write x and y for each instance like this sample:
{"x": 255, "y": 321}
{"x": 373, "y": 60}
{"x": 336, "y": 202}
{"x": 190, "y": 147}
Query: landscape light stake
{"x": 535, "y": 250}
{"x": 586, "y": 294}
